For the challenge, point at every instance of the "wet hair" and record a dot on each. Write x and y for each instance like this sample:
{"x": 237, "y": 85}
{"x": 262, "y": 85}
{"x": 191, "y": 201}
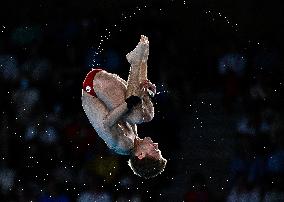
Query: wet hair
{"x": 147, "y": 167}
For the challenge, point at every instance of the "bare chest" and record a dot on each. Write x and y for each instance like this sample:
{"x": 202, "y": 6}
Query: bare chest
{"x": 124, "y": 128}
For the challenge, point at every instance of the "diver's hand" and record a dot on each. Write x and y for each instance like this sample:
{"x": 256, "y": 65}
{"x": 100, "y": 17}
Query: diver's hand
{"x": 147, "y": 87}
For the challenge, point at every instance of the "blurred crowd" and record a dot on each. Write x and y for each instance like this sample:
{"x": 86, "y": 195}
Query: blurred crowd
{"x": 49, "y": 151}
{"x": 250, "y": 85}
{"x": 253, "y": 80}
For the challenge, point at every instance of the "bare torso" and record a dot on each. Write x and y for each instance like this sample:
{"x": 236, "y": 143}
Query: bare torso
{"x": 110, "y": 94}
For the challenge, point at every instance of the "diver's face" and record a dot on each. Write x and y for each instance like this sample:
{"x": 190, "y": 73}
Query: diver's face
{"x": 148, "y": 148}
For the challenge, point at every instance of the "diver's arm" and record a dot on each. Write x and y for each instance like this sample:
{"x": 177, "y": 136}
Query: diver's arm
{"x": 148, "y": 108}
{"x": 103, "y": 121}
{"x": 116, "y": 114}
{"x": 147, "y": 90}
{"x": 122, "y": 143}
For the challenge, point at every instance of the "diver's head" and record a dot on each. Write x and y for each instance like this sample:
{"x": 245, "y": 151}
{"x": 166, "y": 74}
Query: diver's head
{"x": 146, "y": 160}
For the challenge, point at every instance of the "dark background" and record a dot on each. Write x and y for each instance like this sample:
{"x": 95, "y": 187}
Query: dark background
{"x": 219, "y": 127}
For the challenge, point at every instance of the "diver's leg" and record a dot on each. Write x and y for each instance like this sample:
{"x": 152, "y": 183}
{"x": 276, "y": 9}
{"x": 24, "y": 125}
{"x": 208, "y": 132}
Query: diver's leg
{"x": 133, "y": 82}
{"x": 138, "y": 70}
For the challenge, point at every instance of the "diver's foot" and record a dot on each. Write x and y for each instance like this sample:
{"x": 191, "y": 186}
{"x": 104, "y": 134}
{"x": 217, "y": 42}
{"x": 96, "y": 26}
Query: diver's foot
{"x": 140, "y": 53}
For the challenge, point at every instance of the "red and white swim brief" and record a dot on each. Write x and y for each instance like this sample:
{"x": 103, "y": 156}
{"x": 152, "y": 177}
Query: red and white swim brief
{"x": 88, "y": 82}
